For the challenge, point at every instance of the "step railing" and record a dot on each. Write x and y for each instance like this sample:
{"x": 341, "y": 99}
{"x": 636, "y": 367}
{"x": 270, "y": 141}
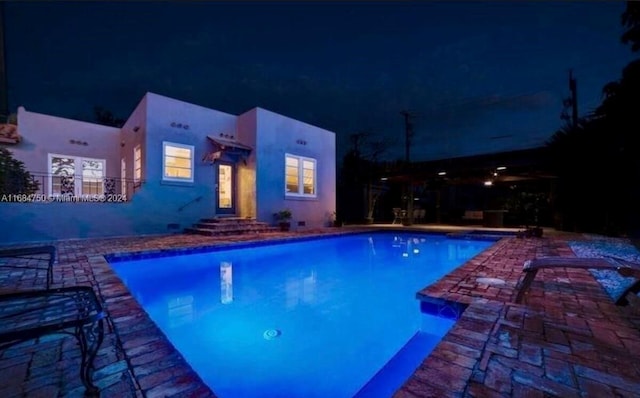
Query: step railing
{"x": 192, "y": 201}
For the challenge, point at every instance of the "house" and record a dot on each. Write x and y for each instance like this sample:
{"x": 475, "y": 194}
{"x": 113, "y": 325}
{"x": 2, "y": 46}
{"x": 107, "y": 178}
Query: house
{"x": 170, "y": 165}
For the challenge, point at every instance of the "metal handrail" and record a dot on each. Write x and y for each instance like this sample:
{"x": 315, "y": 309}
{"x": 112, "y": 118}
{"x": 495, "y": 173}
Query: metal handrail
{"x": 198, "y": 199}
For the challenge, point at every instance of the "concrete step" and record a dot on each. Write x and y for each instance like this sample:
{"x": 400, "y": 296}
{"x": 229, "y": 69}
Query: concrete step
{"x": 227, "y": 220}
{"x": 213, "y": 225}
{"x": 229, "y": 226}
{"x": 215, "y": 232}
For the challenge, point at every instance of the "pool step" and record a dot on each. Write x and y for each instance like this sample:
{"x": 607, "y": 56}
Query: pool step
{"x": 228, "y": 226}
{"x": 400, "y": 367}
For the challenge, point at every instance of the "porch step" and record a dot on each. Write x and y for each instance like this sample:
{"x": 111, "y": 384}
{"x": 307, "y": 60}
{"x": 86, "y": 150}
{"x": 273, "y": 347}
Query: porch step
{"x": 229, "y": 226}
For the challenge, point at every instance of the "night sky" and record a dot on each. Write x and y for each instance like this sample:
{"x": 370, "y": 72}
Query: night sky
{"x": 481, "y": 77}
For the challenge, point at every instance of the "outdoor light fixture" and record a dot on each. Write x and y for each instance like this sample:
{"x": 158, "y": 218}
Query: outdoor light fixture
{"x": 488, "y": 183}
{"x": 442, "y": 173}
{"x": 384, "y": 178}
{"x": 501, "y": 168}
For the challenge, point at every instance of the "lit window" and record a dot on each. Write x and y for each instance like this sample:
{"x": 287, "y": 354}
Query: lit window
{"x": 92, "y": 177}
{"x": 76, "y": 176}
{"x": 123, "y": 176}
{"x": 137, "y": 164}
{"x": 292, "y": 174}
{"x": 177, "y": 162}
{"x": 300, "y": 176}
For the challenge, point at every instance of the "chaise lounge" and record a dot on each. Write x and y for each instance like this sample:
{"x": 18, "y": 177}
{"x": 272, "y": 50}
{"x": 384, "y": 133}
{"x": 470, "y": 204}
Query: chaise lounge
{"x": 623, "y": 267}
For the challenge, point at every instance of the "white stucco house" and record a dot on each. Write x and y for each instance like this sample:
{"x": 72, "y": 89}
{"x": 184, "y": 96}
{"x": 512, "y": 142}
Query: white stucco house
{"x": 170, "y": 165}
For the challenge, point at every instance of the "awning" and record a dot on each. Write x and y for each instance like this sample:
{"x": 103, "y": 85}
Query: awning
{"x": 231, "y": 148}
{"x": 226, "y": 144}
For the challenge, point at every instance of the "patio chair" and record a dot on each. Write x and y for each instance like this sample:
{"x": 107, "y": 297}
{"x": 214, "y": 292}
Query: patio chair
{"x": 623, "y": 267}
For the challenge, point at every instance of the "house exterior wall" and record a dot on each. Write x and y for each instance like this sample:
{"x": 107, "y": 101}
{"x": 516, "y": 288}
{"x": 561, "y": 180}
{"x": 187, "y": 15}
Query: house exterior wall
{"x": 157, "y": 206}
{"x": 277, "y": 135}
{"x": 246, "y": 178}
{"x": 46, "y": 220}
{"x": 43, "y": 135}
{"x": 133, "y": 133}
{"x": 180, "y": 201}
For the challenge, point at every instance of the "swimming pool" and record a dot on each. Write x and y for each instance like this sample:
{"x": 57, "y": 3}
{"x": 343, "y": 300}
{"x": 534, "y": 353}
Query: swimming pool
{"x": 308, "y": 318}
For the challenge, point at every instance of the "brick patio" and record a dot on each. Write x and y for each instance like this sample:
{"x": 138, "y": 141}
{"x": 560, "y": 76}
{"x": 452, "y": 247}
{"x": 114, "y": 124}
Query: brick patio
{"x": 568, "y": 338}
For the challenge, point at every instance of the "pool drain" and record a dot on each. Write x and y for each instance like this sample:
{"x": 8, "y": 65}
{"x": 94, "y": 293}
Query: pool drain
{"x": 271, "y": 334}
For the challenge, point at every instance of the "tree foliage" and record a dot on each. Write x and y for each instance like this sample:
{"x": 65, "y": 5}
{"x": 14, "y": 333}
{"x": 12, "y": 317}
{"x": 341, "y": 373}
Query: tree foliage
{"x": 105, "y": 117}
{"x": 598, "y": 160}
{"x": 631, "y": 23}
{"x": 355, "y": 184}
{"x": 14, "y": 178}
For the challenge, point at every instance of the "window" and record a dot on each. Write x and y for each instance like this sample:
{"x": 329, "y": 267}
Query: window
{"x": 177, "y": 162}
{"x": 123, "y": 176}
{"x": 71, "y": 175}
{"x": 137, "y": 164}
{"x": 300, "y": 176}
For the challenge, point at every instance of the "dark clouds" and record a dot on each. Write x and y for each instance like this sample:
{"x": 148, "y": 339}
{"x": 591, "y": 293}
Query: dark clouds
{"x": 470, "y": 71}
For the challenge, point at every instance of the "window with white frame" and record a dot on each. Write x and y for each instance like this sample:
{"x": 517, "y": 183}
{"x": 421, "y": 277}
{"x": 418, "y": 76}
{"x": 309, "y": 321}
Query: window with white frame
{"x": 300, "y": 176}
{"x": 137, "y": 164}
{"x": 177, "y": 162}
{"x": 73, "y": 175}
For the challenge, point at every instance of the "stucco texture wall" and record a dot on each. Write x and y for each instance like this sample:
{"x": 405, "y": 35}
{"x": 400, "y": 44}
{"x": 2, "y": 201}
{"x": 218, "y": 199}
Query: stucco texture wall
{"x": 44, "y": 135}
{"x": 277, "y": 135}
{"x": 246, "y": 179}
{"x": 159, "y": 206}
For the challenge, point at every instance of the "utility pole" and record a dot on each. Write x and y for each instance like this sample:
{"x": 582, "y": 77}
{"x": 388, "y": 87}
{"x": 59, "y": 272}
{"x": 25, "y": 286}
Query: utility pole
{"x": 572, "y": 102}
{"x": 408, "y": 127}
{"x": 574, "y": 98}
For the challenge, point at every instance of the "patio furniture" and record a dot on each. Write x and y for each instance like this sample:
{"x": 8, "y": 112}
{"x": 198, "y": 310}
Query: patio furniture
{"x": 72, "y": 310}
{"x": 623, "y": 267}
{"x": 34, "y": 253}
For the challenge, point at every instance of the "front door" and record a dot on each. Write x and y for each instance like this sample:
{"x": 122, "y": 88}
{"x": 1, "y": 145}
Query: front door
{"x": 225, "y": 188}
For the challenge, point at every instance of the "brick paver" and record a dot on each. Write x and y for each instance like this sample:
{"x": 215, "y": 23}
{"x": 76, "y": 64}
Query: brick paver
{"x": 567, "y": 339}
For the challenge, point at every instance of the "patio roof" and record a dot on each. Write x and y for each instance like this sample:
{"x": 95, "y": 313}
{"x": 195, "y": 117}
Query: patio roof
{"x": 508, "y": 167}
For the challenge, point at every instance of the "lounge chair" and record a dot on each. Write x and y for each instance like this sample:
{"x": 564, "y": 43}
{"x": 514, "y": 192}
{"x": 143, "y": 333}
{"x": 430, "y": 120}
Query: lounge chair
{"x": 623, "y": 267}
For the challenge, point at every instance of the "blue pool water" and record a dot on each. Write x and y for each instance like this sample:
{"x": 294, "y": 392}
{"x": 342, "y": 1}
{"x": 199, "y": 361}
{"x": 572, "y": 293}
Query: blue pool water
{"x": 311, "y": 318}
